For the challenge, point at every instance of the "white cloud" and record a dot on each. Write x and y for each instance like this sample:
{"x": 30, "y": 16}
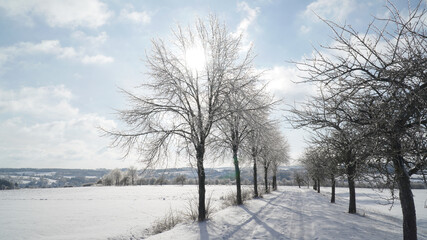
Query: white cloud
{"x": 97, "y": 59}
{"x": 243, "y": 27}
{"x": 335, "y": 10}
{"x": 43, "y": 102}
{"x": 41, "y": 128}
{"x": 252, "y": 13}
{"x": 282, "y": 82}
{"x": 130, "y": 14}
{"x": 64, "y": 13}
{"x": 50, "y": 47}
{"x": 95, "y": 40}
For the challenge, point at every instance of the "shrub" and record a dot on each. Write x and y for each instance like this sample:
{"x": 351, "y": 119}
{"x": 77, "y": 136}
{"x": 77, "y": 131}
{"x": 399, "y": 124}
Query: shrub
{"x": 231, "y": 199}
{"x": 192, "y": 209}
{"x": 167, "y": 222}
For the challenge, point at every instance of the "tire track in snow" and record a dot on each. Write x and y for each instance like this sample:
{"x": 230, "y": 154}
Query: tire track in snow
{"x": 297, "y": 223}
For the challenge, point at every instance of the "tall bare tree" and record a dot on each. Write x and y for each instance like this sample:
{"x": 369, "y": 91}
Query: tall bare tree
{"x": 274, "y": 153}
{"x": 244, "y": 103}
{"x": 184, "y": 97}
{"x": 253, "y": 145}
{"x": 332, "y": 117}
{"x": 280, "y": 157}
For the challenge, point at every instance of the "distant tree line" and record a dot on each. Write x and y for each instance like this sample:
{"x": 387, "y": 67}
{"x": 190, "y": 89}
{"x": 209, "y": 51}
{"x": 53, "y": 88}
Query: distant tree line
{"x": 5, "y": 184}
{"x": 121, "y": 177}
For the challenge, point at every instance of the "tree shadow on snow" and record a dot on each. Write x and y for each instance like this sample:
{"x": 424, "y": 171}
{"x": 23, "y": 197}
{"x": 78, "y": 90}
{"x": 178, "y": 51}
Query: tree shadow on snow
{"x": 254, "y": 217}
{"x": 204, "y": 234}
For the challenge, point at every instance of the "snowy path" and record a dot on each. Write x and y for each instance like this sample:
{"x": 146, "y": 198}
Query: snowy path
{"x": 290, "y": 214}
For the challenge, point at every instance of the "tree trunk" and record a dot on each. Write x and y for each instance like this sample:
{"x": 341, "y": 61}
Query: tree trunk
{"x": 274, "y": 182}
{"x": 333, "y": 189}
{"x": 237, "y": 170}
{"x": 352, "y": 190}
{"x": 266, "y": 178}
{"x": 318, "y": 185}
{"x": 405, "y": 194}
{"x": 200, "y": 151}
{"x": 255, "y": 174}
{"x": 351, "y": 173}
{"x": 314, "y": 184}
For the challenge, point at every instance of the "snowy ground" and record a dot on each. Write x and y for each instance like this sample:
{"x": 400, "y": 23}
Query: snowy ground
{"x": 373, "y": 202}
{"x": 92, "y": 212}
{"x": 120, "y": 212}
{"x": 294, "y": 213}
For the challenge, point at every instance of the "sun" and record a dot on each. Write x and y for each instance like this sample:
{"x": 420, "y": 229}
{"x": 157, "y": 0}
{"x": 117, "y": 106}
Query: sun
{"x": 195, "y": 58}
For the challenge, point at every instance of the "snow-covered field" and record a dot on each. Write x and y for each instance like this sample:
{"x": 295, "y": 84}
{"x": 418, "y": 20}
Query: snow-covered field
{"x": 92, "y": 212}
{"x": 120, "y": 212}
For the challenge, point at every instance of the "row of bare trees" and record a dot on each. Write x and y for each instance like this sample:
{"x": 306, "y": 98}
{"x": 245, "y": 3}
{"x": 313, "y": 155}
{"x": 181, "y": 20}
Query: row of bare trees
{"x": 192, "y": 104}
{"x": 119, "y": 178}
{"x": 370, "y": 115}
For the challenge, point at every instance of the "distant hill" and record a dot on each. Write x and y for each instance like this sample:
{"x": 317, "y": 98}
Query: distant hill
{"x": 58, "y": 177}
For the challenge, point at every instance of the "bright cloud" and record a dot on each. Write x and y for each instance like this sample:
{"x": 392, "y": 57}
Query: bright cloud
{"x": 61, "y": 136}
{"x": 49, "y": 47}
{"x": 41, "y": 103}
{"x": 282, "y": 82}
{"x": 243, "y": 27}
{"x": 64, "y": 13}
{"x": 130, "y": 14}
{"x": 336, "y": 10}
{"x": 252, "y": 13}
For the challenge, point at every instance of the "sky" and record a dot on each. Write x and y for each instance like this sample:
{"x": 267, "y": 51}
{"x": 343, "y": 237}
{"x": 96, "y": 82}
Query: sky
{"x": 62, "y": 64}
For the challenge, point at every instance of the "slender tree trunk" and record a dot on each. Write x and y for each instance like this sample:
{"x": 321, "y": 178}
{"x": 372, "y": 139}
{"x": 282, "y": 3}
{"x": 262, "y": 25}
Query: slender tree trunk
{"x": 318, "y": 185}
{"x": 237, "y": 170}
{"x": 333, "y": 189}
{"x": 255, "y": 174}
{"x": 351, "y": 173}
{"x": 314, "y": 184}
{"x": 200, "y": 151}
{"x": 266, "y": 178}
{"x": 274, "y": 182}
{"x": 405, "y": 194}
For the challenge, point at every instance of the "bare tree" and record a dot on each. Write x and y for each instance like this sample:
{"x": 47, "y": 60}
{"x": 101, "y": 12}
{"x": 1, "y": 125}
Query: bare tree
{"x": 314, "y": 162}
{"x": 116, "y": 175}
{"x": 132, "y": 173}
{"x": 244, "y": 103}
{"x": 190, "y": 78}
{"x": 254, "y": 144}
{"x": 381, "y": 74}
{"x": 331, "y": 114}
{"x": 274, "y": 152}
{"x": 298, "y": 178}
{"x": 181, "y": 179}
{"x": 279, "y": 158}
